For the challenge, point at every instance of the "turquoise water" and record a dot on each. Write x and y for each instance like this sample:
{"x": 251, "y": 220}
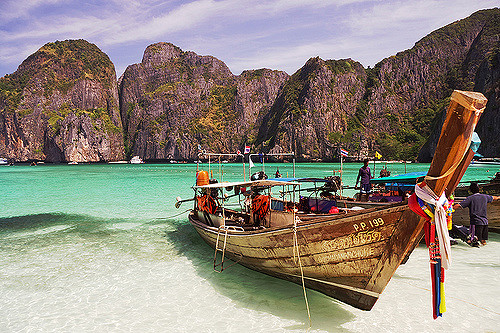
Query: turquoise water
{"x": 100, "y": 248}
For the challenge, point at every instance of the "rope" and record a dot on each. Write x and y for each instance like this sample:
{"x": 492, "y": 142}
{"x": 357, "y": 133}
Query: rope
{"x": 296, "y": 256}
{"x": 458, "y": 299}
{"x": 169, "y": 217}
{"x": 296, "y": 251}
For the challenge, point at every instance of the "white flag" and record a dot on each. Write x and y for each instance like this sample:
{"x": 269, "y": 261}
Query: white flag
{"x": 250, "y": 162}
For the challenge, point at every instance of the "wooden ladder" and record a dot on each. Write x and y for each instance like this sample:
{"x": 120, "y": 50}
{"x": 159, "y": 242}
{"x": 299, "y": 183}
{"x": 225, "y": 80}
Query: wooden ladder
{"x": 222, "y": 250}
{"x": 219, "y": 266}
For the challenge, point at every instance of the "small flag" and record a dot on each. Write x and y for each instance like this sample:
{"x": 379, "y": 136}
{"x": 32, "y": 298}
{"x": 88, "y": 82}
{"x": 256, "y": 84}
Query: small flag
{"x": 247, "y": 149}
{"x": 344, "y": 152}
{"x": 238, "y": 152}
{"x": 199, "y": 147}
{"x": 378, "y": 156}
{"x": 250, "y": 162}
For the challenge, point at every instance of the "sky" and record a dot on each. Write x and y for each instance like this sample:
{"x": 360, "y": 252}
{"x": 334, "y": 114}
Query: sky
{"x": 244, "y": 34}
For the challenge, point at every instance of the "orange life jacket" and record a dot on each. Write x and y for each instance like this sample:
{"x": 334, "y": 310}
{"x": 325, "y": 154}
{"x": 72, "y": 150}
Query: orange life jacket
{"x": 260, "y": 205}
{"x": 207, "y": 204}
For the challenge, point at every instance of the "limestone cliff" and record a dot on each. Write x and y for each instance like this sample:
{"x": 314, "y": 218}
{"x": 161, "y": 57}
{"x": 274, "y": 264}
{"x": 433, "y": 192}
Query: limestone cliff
{"x": 312, "y": 112}
{"x": 61, "y": 105}
{"x": 174, "y": 102}
{"x": 64, "y": 104}
{"x": 415, "y": 85}
{"x": 394, "y": 107}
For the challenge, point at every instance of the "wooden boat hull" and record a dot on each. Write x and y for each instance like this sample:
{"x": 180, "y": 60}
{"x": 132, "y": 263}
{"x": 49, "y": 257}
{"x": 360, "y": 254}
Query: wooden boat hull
{"x": 350, "y": 258}
{"x": 461, "y": 216}
{"x": 492, "y": 188}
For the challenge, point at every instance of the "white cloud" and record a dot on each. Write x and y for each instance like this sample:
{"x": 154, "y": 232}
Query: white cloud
{"x": 16, "y": 54}
{"x": 245, "y": 34}
{"x": 15, "y": 9}
{"x": 66, "y": 26}
{"x": 182, "y": 18}
{"x": 426, "y": 15}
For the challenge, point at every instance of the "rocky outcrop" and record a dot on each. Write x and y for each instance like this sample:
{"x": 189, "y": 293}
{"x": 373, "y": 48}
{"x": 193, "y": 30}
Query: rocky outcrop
{"x": 395, "y": 107}
{"x": 483, "y": 64}
{"x": 61, "y": 105}
{"x": 175, "y": 102}
{"x": 415, "y": 85}
{"x": 311, "y": 114}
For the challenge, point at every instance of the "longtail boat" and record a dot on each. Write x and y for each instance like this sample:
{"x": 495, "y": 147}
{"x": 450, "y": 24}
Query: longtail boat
{"x": 349, "y": 255}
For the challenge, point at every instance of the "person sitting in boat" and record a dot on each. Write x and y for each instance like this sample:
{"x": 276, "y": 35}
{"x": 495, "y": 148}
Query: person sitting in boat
{"x": 258, "y": 176}
{"x": 477, "y": 203}
{"x": 364, "y": 175}
{"x": 384, "y": 172}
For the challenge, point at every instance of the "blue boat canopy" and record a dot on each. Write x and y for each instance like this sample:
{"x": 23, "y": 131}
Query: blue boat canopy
{"x": 302, "y": 180}
{"x": 406, "y": 178}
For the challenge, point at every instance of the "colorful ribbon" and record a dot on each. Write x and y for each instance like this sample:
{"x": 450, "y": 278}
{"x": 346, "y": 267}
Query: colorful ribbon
{"x": 437, "y": 211}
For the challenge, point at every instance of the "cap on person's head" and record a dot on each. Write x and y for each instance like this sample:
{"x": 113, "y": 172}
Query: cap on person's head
{"x": 474, "y": 188}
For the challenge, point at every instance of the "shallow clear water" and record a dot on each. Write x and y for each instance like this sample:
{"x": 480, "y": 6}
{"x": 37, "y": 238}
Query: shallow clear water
{"x": 99, "y": 248}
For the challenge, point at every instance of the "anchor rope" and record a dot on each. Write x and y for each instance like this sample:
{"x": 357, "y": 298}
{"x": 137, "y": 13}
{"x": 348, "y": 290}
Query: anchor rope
{"x": 296, "y": 257}
{"x": 172, "y": 216}
{"x": 297, "y": 253}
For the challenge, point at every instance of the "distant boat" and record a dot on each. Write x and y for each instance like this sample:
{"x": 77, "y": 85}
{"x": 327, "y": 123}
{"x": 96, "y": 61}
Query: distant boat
{"x": 73, "y": 163}
{"x": 118, "y": 162}
{"x": 486, "y": 161}
{"x": 136, "y": 160}
{"x": 3, "y": 161}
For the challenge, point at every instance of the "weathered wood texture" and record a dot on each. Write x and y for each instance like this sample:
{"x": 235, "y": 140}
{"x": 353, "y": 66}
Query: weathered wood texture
{"x": 461, "y": 119}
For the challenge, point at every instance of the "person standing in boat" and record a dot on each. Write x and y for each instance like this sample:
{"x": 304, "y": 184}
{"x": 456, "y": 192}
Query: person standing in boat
{"x": 278, "y": 174}
{"x": 364, "y": 175}
{"x": 477, "y": 203}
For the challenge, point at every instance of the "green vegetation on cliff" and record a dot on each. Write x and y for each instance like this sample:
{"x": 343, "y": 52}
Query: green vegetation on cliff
{"x": 62, "y": 90}
{"x": 217, "y": 116}
{"x": 57, "y": 66}
{"x": 71, "y": 60}
{"x": 175, "y": 100}
{"x": 99, "y": 116}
